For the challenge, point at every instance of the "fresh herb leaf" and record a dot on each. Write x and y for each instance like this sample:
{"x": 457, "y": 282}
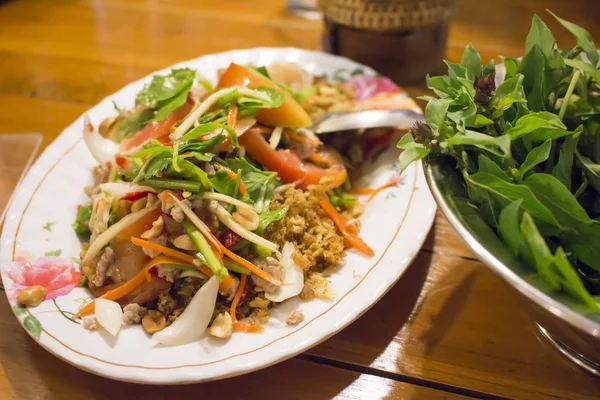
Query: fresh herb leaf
{"x": 583, "y": 37}
{"x": 266, "y": 98}
{"x": 536, "y": 156}
{"x": 508, "y": 226}
{"x": 563, "y": 168}
{"x": 168, "y": 106}
{"x": 55, "y": 253}
{"x": 509, "y": 92}
{"x": 538, "y": 251}
{"x": 472, "y": 62}
{"x": 165, "y": 87}
{"x": 134, "y": 122}
{"x": 48, "y": 226}
{"x": 268, "y": 217}
{"x": 82, "y": 220}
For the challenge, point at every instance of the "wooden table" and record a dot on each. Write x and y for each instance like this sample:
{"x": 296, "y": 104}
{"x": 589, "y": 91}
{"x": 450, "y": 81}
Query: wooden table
{"x": 449, "y": 328}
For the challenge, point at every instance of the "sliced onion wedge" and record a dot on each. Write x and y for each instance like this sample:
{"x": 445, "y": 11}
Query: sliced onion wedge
{"x": 243, "y": 124}
{"x": 293, "y": 277}
{"x": 194, "y": 320}
{"x": 120, "y": 189}
{"x": 102, "y": 149}
{"x": 105, "y": 237}
{"x": 109, "y": 315}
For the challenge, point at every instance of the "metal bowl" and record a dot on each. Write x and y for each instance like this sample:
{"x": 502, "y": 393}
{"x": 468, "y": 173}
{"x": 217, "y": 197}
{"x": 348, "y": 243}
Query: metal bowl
{"x": 576, "y": 336}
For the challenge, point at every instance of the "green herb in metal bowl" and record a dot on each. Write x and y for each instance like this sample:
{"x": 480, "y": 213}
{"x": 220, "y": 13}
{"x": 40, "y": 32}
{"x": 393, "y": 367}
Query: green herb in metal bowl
{"x": 528, "y": 153}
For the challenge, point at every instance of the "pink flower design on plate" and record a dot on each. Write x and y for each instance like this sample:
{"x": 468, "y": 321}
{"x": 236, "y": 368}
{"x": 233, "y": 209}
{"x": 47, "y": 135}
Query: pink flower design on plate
{"x": 367, "y": 86}
{"x": 56, "y": 274}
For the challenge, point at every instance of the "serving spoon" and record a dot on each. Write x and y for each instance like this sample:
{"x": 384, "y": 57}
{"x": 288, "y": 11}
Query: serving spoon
{"x": 349, "y": 120}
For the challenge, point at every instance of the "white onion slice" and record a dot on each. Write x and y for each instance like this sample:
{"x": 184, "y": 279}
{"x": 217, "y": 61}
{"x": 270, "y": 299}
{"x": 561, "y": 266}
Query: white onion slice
{"x": 120, "y": 189}
{"x": 102, "y": 149}
{"x": 194, "y": 320}
{"x": 275, "y": 137}
{"x": 113, "y": 231}
{"x": 243, "y": 124}
{"x": 293, "y": 277}
{"x": 109, "y": 315}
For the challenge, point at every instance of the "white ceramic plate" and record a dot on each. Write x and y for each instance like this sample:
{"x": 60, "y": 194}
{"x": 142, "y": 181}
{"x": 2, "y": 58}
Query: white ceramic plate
{"x": 395, "y": 224}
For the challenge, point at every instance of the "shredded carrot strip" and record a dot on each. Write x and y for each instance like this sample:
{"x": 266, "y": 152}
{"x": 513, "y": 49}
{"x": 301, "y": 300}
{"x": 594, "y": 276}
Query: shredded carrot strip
{"x": 253, "y": 268}
{"x": 346, "y": 231}
{"x": 362, "y": 190}
{"x": 293, "y": 135}
{"x": 240, "y": 260}
{"x": 248, "y": 328}
{"x": 238, "y": 296}
{"x": 391, "y": 182}
{"x": 163, "y": 249}
{"x": 130, "y": 285}
{"x": 232, "y": 115}
{"x": 241, "y": 326}
{"x": 226, "y": 282}
{"x": 374, "y": 192}
{"x": 232, "y": 175}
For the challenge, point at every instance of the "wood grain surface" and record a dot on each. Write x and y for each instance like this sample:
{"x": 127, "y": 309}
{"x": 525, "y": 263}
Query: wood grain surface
{"x": 449, "y": 327}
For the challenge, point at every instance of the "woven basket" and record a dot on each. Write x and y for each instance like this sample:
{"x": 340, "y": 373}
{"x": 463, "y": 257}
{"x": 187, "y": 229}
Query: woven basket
{"x": 388, "y": 15}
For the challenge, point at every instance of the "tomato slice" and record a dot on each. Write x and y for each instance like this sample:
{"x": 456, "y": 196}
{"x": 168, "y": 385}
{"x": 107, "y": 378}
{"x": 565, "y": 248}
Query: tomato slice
{"x": 289, "y": 115}
{"x": 287, "y": 164}
{"x": 160, "y": 130}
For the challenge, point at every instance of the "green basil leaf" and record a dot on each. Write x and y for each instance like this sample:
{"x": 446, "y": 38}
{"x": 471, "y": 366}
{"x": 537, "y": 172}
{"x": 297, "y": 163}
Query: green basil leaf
{"x": 435, "y": 112}
{"x": 533, "y": 68}
{"x": 442, "y": 86}
{"x": 410, "y": 155}
{"x": 455, "y": 71}
{"x": 509, "y": 92}
{"x": 512, "y": 66}
{"x": 505, "y": 192}
{"x": 558, "y": 199}
{"x": 540, "y": 36}
{"x": 583, "y": 243}
{"x": 583, "y": 37}
{"x": 472, "y": 62}
{"x": 496, "y": 145}
{"x": 489, "y": 68}
{"x": 590, "y": 169}
{"x": 533, "y": 121}
{"x": 570, "y": 280}
{"x": 585, "y": 67}
{"x": 539, "y": 253}
{"x": 508, "y": 226}
{"x": 536, "y": 156}
{"x": 489, "y": 166}
{"x": 563, "y": 168}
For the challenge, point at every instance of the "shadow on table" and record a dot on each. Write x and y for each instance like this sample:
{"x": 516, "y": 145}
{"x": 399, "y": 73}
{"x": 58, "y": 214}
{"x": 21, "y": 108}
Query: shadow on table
{"x": 45, "y": 376}
{"x": 367, "y": 339}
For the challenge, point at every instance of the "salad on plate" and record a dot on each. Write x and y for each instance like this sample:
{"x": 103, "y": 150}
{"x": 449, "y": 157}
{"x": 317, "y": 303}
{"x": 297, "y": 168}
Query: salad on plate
{"x": 210, "y": 205}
